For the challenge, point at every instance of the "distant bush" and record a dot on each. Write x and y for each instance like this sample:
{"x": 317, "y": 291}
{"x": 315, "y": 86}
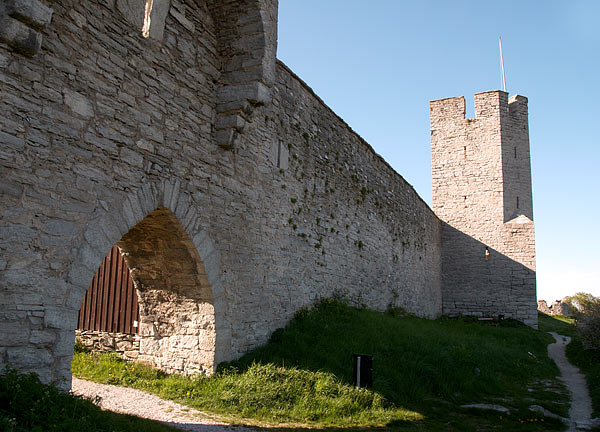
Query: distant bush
{"x": 584, "y": 304}
{"x": 588, "y": 329}
{"x": 587, "y": 313}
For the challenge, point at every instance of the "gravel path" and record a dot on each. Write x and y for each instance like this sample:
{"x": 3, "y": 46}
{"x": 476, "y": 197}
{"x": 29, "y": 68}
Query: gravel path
{"x": 580, "y": 412}
{"x": 142, "y": 404}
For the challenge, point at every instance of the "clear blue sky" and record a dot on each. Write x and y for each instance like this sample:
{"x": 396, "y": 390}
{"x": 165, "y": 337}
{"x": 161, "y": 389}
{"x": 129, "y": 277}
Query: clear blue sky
{"x": 377, "y": 64}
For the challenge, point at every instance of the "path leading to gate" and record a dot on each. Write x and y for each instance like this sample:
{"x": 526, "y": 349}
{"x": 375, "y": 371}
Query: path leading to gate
{"x": 138, "y": 403}
{"x": 580, "y": 413}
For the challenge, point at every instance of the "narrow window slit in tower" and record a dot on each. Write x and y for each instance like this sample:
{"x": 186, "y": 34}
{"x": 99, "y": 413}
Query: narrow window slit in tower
{"x": 515, "y": 152}
{"x": 465, "y": 149}
{"x": 147, "y": 12}
{"x": 279, "y": 154}
{"x": 517, "y": 202}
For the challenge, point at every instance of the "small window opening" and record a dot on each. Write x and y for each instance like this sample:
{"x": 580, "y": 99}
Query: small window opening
{"x": 515, "y": 152}
{"x": 147, "y": 12}
{"x": 517, "y": 202}
{"x": 487, "y": 253}
{"x": 465, "y": 149}
{"x": 283, "y": 153}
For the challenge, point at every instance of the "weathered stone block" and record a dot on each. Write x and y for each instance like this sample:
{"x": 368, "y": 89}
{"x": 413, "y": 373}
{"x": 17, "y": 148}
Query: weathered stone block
{"x": 160, "y": 9}
{"x": 80, "y": 277}
{"x": 22, "y": 38}
{"x": 228, "y": 138}
{"x": 78, "y": 103}
{"x": 31, "y": 12}
{"x": 29, "y": 358}
{"x": 3, "y": 61}
{"x": 181, "y": 19}
{"x": 42, "y": 338}
{"x": 14, "y": 334}
{"x": 255, "y": 92}
{"x": 133, "y": 12}
{"x": 59, "y": 317}
{"x": 234, "y": 121}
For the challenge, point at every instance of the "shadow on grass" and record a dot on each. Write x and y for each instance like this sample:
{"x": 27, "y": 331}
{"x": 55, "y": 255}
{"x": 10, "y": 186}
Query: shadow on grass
{"x": 467, "y": 420}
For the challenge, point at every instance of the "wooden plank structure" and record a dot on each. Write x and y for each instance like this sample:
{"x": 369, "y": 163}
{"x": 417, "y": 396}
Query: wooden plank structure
{"x": 110, "y": 303}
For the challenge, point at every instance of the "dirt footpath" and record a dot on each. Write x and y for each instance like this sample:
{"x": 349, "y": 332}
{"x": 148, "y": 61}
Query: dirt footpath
{"x": 580, "y": 413}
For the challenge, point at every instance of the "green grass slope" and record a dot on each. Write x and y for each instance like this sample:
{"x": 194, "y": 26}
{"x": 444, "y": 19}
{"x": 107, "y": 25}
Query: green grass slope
{"x": 556, "y": 323}
{"x": 589, "y": 363}
{"x": 414, "y": 359}
{"x": 423, "y": 372}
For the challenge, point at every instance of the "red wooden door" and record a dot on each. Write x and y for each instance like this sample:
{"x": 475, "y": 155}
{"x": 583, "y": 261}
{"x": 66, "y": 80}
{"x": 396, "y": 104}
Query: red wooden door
{"x": 110, "y": 303}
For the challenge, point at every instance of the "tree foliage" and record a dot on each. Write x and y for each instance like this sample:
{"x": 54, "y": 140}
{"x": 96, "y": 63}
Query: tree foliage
{"x": 587, "y": 311}
{"x": 585, "y": 303}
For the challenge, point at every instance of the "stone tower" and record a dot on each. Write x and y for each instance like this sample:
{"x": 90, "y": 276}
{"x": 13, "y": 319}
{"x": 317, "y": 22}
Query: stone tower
{"x": 481, "y": 178}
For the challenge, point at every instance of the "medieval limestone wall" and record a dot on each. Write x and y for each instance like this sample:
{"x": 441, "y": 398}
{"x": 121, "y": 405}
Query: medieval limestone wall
{"x": 482, "y": 193}
{"x": 271, "y": 200}
{"x": 362, "y": 223}
{"x": 98, "y": 130}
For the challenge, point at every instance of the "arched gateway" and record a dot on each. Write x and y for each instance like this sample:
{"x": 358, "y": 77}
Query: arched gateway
{"x": 176, "y": 326}
{"x": 175, "y": 268}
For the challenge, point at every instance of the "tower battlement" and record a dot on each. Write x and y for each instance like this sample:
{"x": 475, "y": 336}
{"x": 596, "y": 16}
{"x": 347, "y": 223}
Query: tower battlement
{"x": 481, "y": 180}
{"x": 488, "y": 105}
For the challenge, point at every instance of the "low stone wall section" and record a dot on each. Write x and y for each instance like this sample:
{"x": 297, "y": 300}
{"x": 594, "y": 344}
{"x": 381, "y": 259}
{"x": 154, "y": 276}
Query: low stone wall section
{"x": 558, "y": 307}
{"x": 126, "y": 345}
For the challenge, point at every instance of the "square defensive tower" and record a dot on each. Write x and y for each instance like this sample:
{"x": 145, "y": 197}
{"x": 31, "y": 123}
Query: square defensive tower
{"x": 481, "y": 179}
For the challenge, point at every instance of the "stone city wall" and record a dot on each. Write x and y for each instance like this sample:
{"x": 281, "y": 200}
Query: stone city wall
{"x": 196, "y": 135}
{"x": 368, "y": 234}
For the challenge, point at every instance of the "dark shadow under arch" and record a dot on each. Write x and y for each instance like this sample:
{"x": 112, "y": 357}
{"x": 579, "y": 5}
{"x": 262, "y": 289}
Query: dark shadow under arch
{"x": 177, "y": 323}
{"x": 176, "y": 314}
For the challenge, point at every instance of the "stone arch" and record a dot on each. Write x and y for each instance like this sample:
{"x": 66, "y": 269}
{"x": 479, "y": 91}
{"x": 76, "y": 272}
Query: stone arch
{"x": 167, "y": 209}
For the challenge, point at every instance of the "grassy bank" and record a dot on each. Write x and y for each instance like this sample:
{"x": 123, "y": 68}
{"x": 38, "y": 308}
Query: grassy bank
{"x": 423, "y": 372}
{"x": 555, "y": 323}
{"x": 589, "y": 363}
{"x": 26, "y": 405}
{"x": 260, "y": 394}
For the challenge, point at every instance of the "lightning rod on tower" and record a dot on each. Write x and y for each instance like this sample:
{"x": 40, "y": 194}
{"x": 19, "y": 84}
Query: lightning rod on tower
{"x": 502, "y": 63}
